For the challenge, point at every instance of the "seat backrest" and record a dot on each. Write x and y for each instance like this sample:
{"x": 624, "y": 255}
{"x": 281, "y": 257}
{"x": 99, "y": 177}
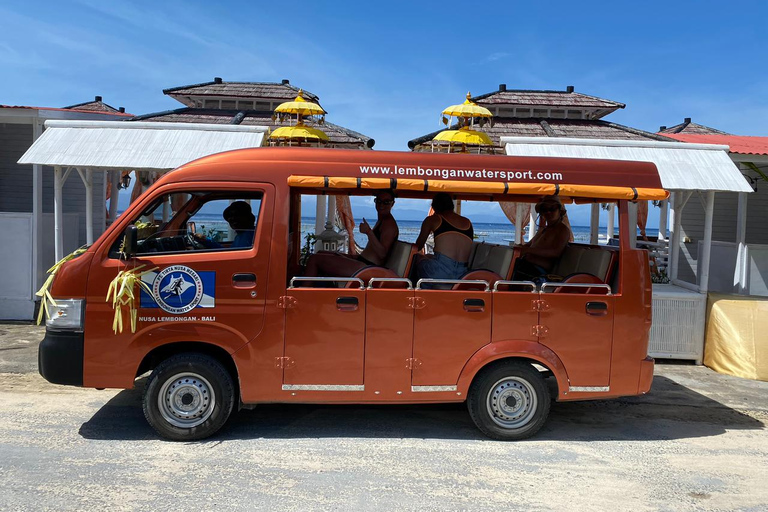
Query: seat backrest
{"x": 569, "y": 261}
{"x": 480, "y": 259}
{"x": 582, "y": 259}
{"x": 472, "y": 253}
{"x": 400, "y": 258}
{"x": 499, "y": 259}
{"x": 495, "y": 258}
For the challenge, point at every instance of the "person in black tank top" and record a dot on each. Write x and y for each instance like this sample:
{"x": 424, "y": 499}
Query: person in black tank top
{"x": 447, "y": 227}
{"x": 453, "y": 243}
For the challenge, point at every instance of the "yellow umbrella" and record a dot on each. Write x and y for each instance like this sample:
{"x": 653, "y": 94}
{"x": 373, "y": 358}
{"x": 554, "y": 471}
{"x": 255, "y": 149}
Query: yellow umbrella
{"x": 467, "y": 109}
{"x": 298, "y": 132}
{"x": 300, "y": 106}
{"x": 464, "y": 136}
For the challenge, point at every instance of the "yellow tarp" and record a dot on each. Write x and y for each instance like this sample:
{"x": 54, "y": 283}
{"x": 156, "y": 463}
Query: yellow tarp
{"x": 736, "y": 342}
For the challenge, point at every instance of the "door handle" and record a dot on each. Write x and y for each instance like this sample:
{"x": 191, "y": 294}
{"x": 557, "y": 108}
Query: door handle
{"x": 245, "y": 280}
{"x": 347, "y": 303}
{"x": 474, "y": 305}
{"x": 597, "y": 308}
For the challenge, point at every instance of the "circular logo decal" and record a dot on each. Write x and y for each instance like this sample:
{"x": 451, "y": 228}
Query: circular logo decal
{"x": 177, "y": 289}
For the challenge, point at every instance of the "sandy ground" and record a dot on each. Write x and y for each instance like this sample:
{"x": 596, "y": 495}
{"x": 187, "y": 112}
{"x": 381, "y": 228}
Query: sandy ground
{"x": 697, "y": 442}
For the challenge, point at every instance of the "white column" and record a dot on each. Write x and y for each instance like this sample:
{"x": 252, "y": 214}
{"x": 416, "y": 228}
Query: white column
{"x": 331, "y": 212}
{"x": 532, "y": 225}
{"x": 320, "y": 215}
{"x": 518, "y": 223}
{"x": 58, "y": 212}
{"x": 37, "y": 214}
{"x": 594, "y": 224}
{"x": 87, "y": 177}
{"x": 611, "y": 220}
{"x": 674, "y": 253}
{"x": 632, "y": 211}
{"x": 740, "y": 280}
{"x": 663, "y": 220}
{"x": 89, "y": 206}
{"x": 703, "y": 266}
{"x": 113, "y": 194}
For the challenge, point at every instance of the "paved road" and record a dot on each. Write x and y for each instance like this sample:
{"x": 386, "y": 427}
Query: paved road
{"x": 697, "y": 442}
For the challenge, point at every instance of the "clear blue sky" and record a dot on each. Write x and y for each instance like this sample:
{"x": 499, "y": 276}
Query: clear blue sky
{"x": 388, "y": 71}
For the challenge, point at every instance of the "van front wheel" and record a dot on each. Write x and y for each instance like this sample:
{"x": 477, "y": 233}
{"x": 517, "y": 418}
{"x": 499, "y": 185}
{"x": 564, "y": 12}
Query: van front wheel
{"x": 509, "y": 401}
{"x": 188, "y": 397}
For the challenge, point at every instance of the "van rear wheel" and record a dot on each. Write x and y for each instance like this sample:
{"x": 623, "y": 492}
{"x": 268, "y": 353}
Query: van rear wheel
{"x": 188, "y": 397}
{"x": 509, "y": 401}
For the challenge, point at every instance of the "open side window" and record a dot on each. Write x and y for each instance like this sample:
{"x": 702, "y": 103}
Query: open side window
{"x": 196, "y": 221}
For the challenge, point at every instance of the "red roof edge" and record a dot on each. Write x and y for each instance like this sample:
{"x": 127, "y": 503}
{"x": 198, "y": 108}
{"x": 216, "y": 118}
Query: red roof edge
{"x": 741, "y": 144}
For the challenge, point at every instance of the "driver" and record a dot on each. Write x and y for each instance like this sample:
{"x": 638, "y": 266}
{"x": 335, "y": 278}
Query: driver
{"x": 242, "y": 221}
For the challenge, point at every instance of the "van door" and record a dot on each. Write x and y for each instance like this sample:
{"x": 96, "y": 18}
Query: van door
{"x": 578, "y": 327}
{"x": 449, "y": 326}
{"x": 324, "y": 337}
{"x": 209, "y": 287}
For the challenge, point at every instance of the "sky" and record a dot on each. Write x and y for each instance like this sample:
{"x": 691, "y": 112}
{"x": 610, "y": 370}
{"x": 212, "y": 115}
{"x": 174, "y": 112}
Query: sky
{"x": 388, "y": 69}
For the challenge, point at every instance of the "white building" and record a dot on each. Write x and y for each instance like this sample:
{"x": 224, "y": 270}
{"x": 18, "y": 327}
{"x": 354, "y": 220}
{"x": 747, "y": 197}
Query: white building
{"x": 26, "y": 203}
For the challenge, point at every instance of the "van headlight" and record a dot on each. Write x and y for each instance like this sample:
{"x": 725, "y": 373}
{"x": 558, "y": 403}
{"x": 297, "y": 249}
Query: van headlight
{"x": 66, "y": 315}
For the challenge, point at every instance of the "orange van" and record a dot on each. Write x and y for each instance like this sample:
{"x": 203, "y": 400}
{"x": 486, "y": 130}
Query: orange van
{"x": 224, "y": 324}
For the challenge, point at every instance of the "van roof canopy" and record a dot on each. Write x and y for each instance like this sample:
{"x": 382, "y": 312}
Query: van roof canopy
{"x": 417, "y": 173}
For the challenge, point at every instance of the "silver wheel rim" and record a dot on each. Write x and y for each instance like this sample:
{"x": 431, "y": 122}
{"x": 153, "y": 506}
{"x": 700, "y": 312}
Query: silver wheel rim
{"x": 186, "y": 400}
{"x": 512, "y": 402}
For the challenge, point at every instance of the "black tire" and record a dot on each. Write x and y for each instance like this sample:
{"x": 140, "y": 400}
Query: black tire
{"x": 509, "y": 401}
{"x": 188, "y": 397}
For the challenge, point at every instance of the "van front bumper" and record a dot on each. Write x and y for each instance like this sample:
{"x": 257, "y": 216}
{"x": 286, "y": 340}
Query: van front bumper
{"x": 60, "y": 357}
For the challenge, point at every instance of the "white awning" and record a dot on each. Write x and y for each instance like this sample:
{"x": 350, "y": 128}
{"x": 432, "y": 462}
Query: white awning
{"x": 681, "y": 166}
{"x": 135, "y": 145}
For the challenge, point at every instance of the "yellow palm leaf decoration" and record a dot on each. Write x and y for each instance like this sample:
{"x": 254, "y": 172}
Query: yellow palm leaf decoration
{"x": 44, "y": 291}
{"x": 122, "y": 293}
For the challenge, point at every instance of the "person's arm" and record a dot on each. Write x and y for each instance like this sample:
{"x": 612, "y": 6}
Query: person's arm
{"x": 381, "y": 247}
{"x": 427, "y": 227}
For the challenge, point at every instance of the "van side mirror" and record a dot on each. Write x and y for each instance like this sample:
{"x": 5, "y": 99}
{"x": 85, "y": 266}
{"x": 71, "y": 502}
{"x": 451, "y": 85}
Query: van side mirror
{"x": 131, "y": 241}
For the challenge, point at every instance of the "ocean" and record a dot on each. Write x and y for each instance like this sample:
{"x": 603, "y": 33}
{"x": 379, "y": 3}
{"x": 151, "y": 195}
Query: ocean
{"x": 489, "y": 232}
{"x": 492, "y": 233}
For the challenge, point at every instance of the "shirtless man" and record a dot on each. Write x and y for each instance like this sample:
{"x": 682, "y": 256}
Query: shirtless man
{"x": 381, "y": 238}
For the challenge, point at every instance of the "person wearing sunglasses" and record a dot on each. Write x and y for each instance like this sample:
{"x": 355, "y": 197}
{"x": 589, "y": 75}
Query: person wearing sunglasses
{"x": 381, "y": 239}
{"x": 538, "y": 257}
